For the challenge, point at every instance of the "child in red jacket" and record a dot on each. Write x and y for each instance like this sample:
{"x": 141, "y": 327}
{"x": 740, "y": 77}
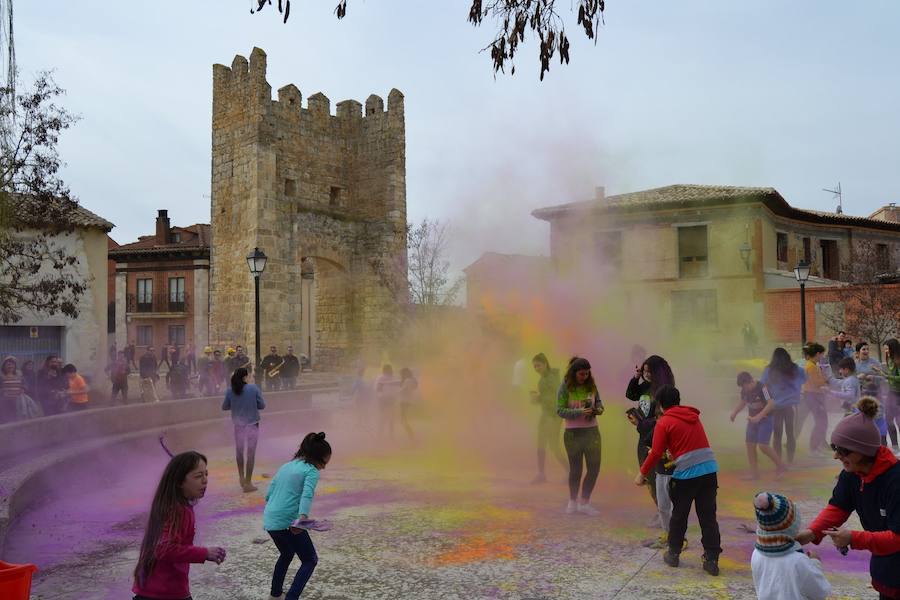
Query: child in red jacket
{"x": 694, "y": 481}
{"x": 167, "y": 550}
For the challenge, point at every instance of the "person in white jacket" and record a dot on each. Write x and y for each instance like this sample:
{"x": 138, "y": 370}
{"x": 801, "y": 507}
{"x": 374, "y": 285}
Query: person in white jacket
{"x": 781, "y": 570}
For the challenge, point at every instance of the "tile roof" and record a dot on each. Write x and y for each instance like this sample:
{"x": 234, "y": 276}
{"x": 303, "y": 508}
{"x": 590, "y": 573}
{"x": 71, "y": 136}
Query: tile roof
{"x": 79, "y": 216}
{"x": 146, "y": 244}
{"x": 670, "y": 194}
{"x": 684, "y": 195}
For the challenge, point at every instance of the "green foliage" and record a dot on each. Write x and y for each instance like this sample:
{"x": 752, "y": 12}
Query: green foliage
{"x": 514, "y": 18}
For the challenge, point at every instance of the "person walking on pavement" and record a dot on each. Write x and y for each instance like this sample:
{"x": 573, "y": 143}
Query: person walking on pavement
{"x": 244, "y": 400}
{"x": 149, "y": 371}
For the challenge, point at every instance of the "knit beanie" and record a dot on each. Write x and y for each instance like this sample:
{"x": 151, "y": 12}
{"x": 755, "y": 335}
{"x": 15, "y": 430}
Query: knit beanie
{"x": 778, "y": 524}
{"x": 858, "y": 431}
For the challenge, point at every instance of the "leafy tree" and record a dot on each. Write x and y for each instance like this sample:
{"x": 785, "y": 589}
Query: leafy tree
{"x": 538, "y": 19}
{"x": 36, "y": 274}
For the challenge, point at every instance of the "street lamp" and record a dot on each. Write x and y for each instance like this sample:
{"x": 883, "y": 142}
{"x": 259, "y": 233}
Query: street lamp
{"x": 745, "y": 251}
{"x": 801, "y": 272}
{"x": 256, "y": 260}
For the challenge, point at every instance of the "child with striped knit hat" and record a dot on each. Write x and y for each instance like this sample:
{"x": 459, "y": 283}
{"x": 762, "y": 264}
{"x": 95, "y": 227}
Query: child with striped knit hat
{"x": 781, "y": 570}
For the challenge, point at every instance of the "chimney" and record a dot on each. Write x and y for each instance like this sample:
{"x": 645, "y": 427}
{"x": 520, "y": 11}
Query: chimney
{"x": 162, "y": 227}
{"x": 600, "y": 192}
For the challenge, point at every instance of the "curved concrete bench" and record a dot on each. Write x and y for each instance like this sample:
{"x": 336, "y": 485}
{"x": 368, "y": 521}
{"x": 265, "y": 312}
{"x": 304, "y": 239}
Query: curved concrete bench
{"x": 31, "y": 451}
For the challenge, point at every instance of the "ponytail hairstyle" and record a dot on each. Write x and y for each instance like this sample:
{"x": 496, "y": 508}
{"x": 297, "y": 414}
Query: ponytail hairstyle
{"x": 237, "y": 380}
{"x": 166, "y": 510}
{"x": 314, "y": 450}
{"x": 579, "y": 364}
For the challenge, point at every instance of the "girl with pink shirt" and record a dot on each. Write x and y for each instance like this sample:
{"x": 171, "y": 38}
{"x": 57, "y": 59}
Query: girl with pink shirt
{"x": 168, "y": 550}
{"x": 578, "y": 402}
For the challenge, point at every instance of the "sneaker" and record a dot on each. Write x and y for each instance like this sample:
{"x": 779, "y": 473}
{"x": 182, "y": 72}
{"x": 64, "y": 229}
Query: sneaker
{"x": 571, "y": 507}
{"x": 711, "y": 565}
{"x": 670, "y": 559}
{"x": 587, "y": 509}
{"x": 651, "y": 543}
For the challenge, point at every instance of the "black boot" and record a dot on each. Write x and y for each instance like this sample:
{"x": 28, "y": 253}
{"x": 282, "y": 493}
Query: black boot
{"x": 711, "y": 565}
{"x": 671, "y": 559}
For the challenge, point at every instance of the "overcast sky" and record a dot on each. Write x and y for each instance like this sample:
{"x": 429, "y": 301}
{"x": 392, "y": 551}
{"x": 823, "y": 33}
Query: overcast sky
{"x": 795, "y": 95}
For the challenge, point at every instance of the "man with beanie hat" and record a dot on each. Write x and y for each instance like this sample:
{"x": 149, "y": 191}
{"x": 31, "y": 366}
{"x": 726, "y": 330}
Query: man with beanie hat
{"x": 869, "y": 485}
{"x": 781, "y": 571}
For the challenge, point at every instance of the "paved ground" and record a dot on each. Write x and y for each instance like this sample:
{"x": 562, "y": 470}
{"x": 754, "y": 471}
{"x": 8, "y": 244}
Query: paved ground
{"x": 421, "y": 520}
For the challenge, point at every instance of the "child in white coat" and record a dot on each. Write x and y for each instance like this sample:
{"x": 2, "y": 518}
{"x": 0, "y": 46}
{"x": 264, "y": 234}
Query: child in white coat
{"x": 781, "y": 570}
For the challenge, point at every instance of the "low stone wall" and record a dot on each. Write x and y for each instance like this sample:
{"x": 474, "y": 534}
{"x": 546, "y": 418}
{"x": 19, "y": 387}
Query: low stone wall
{"x": 32, "y": 451}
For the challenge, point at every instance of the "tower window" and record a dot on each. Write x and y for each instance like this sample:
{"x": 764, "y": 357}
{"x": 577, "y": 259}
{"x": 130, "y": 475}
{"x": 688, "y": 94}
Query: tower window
{"x": 334, "y": 198}
{"x": 290, "y": 187}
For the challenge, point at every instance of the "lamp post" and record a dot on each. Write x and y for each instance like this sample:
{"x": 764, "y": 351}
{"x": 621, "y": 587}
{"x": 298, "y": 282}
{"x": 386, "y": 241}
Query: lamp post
{"x": 256, "y": 260}
{"x": 801, "y": 272}
{"x": 745, "y": 251}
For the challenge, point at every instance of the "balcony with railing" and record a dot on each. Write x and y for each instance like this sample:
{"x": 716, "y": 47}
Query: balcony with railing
{"x": 157, "y": 303}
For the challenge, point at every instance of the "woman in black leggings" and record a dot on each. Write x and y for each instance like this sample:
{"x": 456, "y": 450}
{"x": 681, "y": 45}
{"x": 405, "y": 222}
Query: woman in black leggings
{"x": 578, "y": 402}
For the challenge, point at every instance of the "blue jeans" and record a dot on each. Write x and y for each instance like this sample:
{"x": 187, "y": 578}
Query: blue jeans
{"x": 288, "y": 545}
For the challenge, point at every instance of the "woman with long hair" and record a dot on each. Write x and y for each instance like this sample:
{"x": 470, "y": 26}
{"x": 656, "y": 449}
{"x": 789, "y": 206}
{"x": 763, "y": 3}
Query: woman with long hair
{"x": 290, "y": 498}
{"x": 784, "y": 379}
{"x": 578, "y": 402}
{"x": 548, "y": 425}
{"x": 167, "y": 549}
{"x": 244, "y": 400}
{"x": 653, "y": 373}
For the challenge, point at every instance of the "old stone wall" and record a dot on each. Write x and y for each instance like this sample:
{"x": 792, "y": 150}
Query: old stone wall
{"x": 301, "y": 183}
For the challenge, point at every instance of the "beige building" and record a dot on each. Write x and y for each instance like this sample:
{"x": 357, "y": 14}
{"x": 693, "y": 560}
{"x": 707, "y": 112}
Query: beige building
{"x": 324, "y": 196}
{"x": 704, "y": 256}
{"x": 81, "y": 341}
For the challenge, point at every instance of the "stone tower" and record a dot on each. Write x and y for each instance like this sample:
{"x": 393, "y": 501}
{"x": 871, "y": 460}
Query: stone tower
{"x": 324, "y": 196}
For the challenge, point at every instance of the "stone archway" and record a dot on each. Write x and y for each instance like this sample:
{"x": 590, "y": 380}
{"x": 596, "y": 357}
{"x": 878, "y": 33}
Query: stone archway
{"x": 327, "y": 328}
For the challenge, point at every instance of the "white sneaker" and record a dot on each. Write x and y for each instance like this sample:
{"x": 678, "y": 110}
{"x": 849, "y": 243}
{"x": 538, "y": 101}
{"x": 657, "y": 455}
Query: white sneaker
{"x": 571, "y": 507}
{"x": 587, "y": 509}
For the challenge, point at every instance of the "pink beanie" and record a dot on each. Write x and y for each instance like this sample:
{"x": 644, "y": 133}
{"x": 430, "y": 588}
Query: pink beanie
{"x": 858, "y": 431}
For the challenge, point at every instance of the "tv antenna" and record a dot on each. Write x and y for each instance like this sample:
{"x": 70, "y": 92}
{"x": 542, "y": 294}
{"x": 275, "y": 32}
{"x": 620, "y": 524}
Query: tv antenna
{"x": 837, "y": 194}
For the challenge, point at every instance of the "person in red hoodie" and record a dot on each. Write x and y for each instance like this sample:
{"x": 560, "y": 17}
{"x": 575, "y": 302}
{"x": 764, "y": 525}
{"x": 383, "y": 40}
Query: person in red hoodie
{"x": 869, "y": 485}
{"x": 167, "y": 550}
{"x": 694, "y": 480}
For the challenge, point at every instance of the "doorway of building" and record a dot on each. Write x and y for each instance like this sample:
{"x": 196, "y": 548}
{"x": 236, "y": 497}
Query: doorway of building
{"x": 30, "y": 342}
{"x": 831, "y": 268}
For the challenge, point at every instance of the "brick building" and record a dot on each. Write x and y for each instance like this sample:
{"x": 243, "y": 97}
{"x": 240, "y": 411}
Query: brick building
{"x": 324, "y": 196}
{"x": 162, "y": 287}
{"x": 713, "y": 258}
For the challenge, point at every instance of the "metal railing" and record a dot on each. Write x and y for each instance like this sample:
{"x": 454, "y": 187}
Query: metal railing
{"x": 157, "y": 303}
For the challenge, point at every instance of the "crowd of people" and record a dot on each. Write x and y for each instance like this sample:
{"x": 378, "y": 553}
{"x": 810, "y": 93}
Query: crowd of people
{"x": 680, "y": 469}
{"x": 176, "y": 372}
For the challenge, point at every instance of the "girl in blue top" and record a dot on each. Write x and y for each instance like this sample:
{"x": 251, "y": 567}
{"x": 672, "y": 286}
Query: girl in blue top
{"x": 244, "y": 400}
{"x": 784, "y": 380}
{"x": 289, "y": 498}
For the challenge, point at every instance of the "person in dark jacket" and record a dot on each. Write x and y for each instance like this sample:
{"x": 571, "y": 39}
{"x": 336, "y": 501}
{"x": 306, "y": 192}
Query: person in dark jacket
{"x": 836, "y": 350}
{"x": 290, "y": 370}
{"x": 549, "y": 426}
{"x": 271, "y": 367}
{"x": 869, "y": 485}
{"x": 653, "y": 373}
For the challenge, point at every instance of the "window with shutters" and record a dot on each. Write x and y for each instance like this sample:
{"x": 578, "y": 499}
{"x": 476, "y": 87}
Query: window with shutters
{"x": 695, "y": 309}
{"x": 781, "y": 246}
{"x": 693, "y": 251}
{"x": 608, "y": 249}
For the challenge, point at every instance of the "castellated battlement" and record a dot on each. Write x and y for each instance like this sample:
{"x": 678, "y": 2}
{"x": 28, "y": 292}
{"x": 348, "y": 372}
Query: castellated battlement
{"x": 246, "y": 80}
{"x": 323, "y": 194}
